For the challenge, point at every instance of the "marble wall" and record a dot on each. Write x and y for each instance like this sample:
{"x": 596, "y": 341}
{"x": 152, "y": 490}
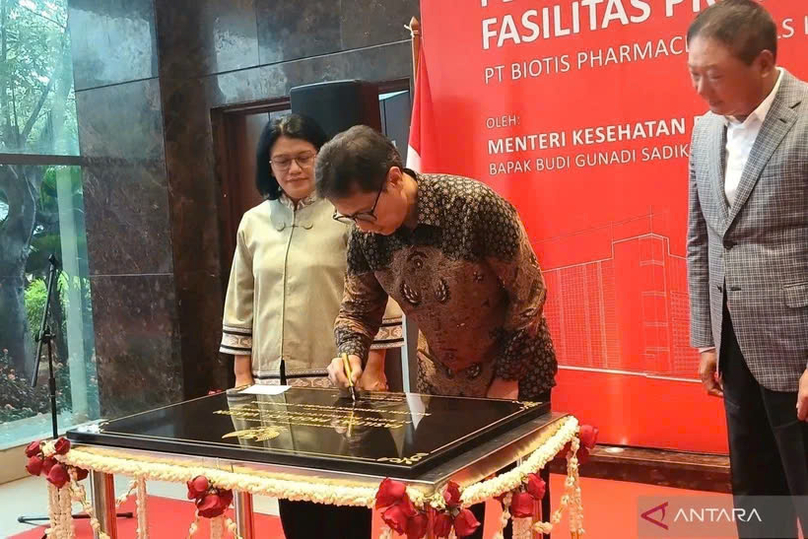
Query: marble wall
{"x": 148, "y": 74}
{"x": 120, "y": 119}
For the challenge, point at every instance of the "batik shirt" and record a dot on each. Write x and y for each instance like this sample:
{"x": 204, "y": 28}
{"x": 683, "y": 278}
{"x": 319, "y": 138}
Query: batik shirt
{"x": 468, "y": 276}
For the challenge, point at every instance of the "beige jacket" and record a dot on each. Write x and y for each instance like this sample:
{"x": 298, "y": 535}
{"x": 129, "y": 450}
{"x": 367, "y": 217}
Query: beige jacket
{"x": 285, "y": 289}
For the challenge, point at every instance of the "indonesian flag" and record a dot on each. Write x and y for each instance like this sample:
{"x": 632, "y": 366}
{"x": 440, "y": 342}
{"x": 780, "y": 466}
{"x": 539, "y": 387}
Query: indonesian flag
{"x": 422, "y": 149}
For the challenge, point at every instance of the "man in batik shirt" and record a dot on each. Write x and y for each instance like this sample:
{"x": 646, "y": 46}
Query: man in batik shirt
{"x": 455, "y": 257}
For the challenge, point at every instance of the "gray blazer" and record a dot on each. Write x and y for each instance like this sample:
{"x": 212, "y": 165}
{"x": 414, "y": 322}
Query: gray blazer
{"x": 755, "y": 252}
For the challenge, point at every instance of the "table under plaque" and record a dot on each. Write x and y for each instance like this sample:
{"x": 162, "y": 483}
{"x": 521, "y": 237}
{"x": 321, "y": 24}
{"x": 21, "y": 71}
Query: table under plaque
{"x": 301, "y": 441}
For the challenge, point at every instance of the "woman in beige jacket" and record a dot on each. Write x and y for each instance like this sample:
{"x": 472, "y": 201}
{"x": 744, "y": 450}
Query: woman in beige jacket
{"x": 284, "y": 293}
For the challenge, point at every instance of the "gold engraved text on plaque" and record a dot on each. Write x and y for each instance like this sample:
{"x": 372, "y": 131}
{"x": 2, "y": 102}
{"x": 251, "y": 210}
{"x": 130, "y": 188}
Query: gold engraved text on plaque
{"x": 409, "y": 461}
{"x": 259, "y": 434}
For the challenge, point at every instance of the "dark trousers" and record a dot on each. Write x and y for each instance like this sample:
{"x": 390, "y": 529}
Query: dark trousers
{"x": 305, "y": 520}
{"x": 768, "y": 447}
{"x": 479, "y": 509}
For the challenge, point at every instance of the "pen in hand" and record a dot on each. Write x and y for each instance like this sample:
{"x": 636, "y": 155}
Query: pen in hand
{"x": 349, "y": 375}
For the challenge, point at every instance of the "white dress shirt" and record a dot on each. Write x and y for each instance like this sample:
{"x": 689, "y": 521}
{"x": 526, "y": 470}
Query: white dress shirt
{"x": 740, "y": 139}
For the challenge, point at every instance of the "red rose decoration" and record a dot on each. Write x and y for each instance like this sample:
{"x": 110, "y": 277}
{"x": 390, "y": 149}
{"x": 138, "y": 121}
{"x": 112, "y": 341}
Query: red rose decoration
{"x": 407, "y": 507}
{"x": 47, "y": 464}
{"x": 588, "y": 435}
{"x": 536, "y": 486}
{"x": 33, "y": 449}
{"x": 81, "y": 474}
{"x": 583, "y": 455}
{"x": 465, "y": 523}
{"x": 210, "y": 506}
{"x": 395, "y": 518}
{"x": 443, "y": 525}
{"x": 417, "y": 526}
{"x": 58, "y": 475}
{"x": 451, "y": 494}
{"x": 566, "y": 449}
{"x": 227, "y": 498}
{"x": 501, "y": 497}
{"x": 522, "y": 505}
{"x": 197, "y": 487}
{"x": 62, "y": 446}
{"x": 390, "y": 492}
{"x": 34, "y": 465}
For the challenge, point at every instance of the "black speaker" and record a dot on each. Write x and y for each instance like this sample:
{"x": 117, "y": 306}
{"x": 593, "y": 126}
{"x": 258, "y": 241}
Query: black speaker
{"x": 338, "y": 105}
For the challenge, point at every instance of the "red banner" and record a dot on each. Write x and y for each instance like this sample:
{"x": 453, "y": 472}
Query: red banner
{"x": 580, "y": 113}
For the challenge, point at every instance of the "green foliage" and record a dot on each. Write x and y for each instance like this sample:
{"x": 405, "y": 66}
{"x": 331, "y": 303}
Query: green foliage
{"x": 47, "y": 239}
{"x": 18, "y": 400}
{"x": 37, "y": 104}
{"x": 35, "y": 295}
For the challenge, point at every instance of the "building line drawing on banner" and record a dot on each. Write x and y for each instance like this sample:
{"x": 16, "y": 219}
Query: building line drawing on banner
{"x": 629, "y": 373}
{"x": 593, "y": 313}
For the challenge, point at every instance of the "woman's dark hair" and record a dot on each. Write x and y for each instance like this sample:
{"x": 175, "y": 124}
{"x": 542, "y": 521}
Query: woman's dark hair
{"x": 742, "y": 25}
{"x": 292, "y": 126}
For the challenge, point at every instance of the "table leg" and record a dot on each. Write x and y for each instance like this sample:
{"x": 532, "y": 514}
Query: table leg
{"x": 103, "y": 499}
{"x": 244, "y": 515}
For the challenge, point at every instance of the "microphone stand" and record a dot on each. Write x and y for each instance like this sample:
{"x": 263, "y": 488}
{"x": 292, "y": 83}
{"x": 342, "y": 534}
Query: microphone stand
{"x": 45, "y": 337}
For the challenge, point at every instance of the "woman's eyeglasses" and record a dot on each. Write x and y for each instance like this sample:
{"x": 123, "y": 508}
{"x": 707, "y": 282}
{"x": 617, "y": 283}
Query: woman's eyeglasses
{"x": 284, "y": 162}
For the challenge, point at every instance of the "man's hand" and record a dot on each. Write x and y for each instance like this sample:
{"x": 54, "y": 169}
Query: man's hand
{"x": 372, "y": 380}
{"x": 802, "y": 398}
{"x": 708, "y": 373}
{"x": 336, "y": 371}
{"x": 503, "y": 389}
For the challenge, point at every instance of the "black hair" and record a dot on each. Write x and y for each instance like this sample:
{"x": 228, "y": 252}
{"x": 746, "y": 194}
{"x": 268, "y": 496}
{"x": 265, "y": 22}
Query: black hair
{"x": 742, "y": 25}
{"x": 294, "y": 126}
{"x": 355, "y": 160}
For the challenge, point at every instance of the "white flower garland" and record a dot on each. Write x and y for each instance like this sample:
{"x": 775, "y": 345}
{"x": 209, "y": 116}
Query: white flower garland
{"x": 67, "y": 514}
{"x": 232, "y": 528}
{"x": 505, "y": 517}
{"x": 142, "y": 516}
{"x": 180, "y": 472}
{"x": 313, "y": 490}
{"x": 54, "y": 509}
{"x": 510, "y": 480}
{"x": 216, "y": 527}
{"x": 194, "y": 525}
{"x": 120, "y": 500}
{"x": 522, "y": 528}
{"x": 571, "y": 485}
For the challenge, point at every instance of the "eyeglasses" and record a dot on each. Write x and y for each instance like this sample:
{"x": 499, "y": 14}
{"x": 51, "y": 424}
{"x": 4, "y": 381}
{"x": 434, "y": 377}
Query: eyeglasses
{"x": 284, "y": 162}
{"x": 368, "y": 216}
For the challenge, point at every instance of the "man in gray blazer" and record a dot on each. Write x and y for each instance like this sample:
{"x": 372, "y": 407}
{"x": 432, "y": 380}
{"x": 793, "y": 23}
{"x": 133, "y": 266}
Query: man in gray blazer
{"x": 747, "y": 254}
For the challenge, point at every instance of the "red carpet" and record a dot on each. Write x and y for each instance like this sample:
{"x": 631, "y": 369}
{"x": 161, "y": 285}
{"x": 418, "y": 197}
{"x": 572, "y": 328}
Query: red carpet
{"x": 168, "y": 519}
{"x": 610, "y": 512}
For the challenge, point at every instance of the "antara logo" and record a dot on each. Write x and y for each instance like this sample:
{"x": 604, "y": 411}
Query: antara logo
{"x": 653, "y": 520}
{"x": 717, "y": 514}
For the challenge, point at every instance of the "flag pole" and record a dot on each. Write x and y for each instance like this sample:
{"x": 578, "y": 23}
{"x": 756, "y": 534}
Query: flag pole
{"x": 415, "y": 33}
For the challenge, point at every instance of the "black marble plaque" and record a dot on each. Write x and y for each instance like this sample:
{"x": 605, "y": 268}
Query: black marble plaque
{"x": 397, "y": 434}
